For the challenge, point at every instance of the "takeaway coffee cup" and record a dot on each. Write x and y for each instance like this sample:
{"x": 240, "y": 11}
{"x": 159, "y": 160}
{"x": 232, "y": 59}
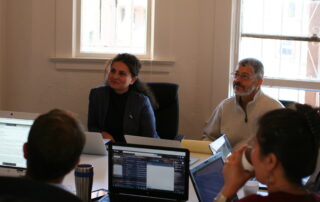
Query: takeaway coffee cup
{"x": 246, "y": 160}
{"x": 83, "y": 178}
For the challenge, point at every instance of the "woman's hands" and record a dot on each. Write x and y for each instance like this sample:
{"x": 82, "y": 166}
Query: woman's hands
{"x": 107, "y": 135}
{"x": 234, "y": 174}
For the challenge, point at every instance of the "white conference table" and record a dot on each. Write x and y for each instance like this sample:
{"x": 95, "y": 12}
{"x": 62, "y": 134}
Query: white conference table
{"x": 100, "y": 177}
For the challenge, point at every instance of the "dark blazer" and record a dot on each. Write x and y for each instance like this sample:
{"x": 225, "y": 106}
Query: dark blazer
{"x": 138, "y": 118}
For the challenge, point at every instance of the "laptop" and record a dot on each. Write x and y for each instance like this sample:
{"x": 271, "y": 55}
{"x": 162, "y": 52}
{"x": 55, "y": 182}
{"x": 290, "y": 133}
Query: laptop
{"x": 133, "y": 139}
{"x": 95, "y": 144}
{"x": 207, "y": 177}
{"x": 14, "y": 131}
{"x": 222, "y": 145}
{"x": 148, "y": 173}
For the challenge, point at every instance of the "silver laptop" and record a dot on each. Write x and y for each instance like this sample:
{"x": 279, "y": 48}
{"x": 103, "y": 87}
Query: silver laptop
{"x": 14, "y": 131}
{"x": 222, "y": 145}
{"x": 95, "y": 144}
{"x": 132, "y": 139}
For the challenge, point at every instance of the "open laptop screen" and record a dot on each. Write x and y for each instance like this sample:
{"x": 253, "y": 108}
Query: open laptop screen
{"x": 207, "y": 178}
{"x": 13, "y": 134}
{"x": 149, "y": 171}
{"x": 222, "y": 145}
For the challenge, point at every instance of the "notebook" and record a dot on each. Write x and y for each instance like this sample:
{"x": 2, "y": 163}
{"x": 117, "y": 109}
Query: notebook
{"x": 207, "y": 177}
{"x": 151, "y": 172}
{"x": 196, "y": 146}
{"x": 95, "y": 144}
{"x": 14, "y": 131}
{"x": 222, "y": 145}
{"x": 132, "y": 139}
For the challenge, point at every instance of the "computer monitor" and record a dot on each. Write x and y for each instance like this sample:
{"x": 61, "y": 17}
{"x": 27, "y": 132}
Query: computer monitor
{"x": 149, "y": 171}
{"x": 14, "y": 131}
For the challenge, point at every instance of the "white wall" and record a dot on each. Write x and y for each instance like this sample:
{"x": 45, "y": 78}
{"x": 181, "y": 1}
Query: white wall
{"x": 2, "y": 43}
{"x": 200, "y": 47}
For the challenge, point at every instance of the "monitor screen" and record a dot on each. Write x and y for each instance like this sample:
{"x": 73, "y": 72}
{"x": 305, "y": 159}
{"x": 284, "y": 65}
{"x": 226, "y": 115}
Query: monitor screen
{"x": 151, "y": 170}
{"x": 207, "y": 178}
{"x": 13, "y": 134}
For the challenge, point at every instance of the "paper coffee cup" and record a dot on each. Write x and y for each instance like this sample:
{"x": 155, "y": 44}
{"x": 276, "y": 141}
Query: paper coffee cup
{"x": 246, "y": 160}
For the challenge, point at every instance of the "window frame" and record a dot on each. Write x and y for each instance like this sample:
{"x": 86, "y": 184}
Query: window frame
{"x": 297, "y": 84}
{"x": 149, "y": 34}
{"x": 64, "y": 52}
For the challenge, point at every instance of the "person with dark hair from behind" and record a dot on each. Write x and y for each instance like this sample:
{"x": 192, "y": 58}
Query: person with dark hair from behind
{"x": 285, "y": 150}
{"x": 54, "y": 146}
{"x": 124, "y": 104}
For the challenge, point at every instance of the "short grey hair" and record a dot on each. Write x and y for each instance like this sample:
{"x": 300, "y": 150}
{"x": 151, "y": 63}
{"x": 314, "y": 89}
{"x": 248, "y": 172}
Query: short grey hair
{"x": 255, "y": 64}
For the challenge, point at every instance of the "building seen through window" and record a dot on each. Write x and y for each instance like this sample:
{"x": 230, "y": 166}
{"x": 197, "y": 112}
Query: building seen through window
{"x": 113, "y": 26}
{"x": 283, "y": 34}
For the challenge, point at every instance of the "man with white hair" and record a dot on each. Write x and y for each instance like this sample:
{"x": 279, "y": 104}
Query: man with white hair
{"x": 237, "y": 117}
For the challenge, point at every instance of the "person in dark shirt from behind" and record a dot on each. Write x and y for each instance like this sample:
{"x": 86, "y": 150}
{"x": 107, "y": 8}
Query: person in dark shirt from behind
{"x": 54, "y": 146}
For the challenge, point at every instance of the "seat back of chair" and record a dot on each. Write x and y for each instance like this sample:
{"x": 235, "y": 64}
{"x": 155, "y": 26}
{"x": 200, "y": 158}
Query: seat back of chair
{"x": 167, "y": 115}
{"x": 287, "y": 103}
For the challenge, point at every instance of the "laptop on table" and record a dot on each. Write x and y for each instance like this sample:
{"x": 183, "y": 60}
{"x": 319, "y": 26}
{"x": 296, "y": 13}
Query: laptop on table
{"x": 14, "y": 131}
{"x": 207, "y": 177}
{"x": 222, "y": 145}
{"x": 133, "y": 139}
{"x": 95, "y": 144}
{"x": 148, "y": 173}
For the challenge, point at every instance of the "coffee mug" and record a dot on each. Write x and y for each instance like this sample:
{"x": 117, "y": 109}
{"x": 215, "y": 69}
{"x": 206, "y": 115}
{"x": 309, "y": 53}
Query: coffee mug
{"x": 246, "y": 160}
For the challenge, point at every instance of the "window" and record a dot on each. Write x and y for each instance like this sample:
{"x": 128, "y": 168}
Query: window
{"x": 108, "y": 27}
{"x": 283, "y": 34}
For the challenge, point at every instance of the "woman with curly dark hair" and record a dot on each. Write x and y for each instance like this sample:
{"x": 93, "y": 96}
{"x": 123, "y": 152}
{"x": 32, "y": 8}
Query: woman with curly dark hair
{"x": 285, "y": 150}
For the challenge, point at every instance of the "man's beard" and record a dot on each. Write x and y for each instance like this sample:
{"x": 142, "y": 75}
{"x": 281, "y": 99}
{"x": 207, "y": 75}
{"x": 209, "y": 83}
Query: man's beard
{"x": 246, "y": 90}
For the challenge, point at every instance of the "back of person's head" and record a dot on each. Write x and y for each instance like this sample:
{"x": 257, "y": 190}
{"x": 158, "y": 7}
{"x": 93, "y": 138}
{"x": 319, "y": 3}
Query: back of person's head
{"x": 293, "y": 136}
{"x": 55, "y": 143}
{"x": 255, "y": 64}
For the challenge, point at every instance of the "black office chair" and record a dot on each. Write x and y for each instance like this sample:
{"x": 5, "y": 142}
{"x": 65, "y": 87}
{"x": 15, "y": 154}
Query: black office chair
{"x": 25, "y": 190}
{"x": 167, "y": 114}
{"x": 287, "y": 103}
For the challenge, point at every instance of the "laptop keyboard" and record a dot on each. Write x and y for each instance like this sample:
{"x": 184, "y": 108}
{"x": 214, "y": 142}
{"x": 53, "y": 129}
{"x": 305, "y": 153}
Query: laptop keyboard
{"x": 121, "y": 198}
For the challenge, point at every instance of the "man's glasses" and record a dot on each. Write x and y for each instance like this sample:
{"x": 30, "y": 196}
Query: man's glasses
{"x": 245, "y": 77}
